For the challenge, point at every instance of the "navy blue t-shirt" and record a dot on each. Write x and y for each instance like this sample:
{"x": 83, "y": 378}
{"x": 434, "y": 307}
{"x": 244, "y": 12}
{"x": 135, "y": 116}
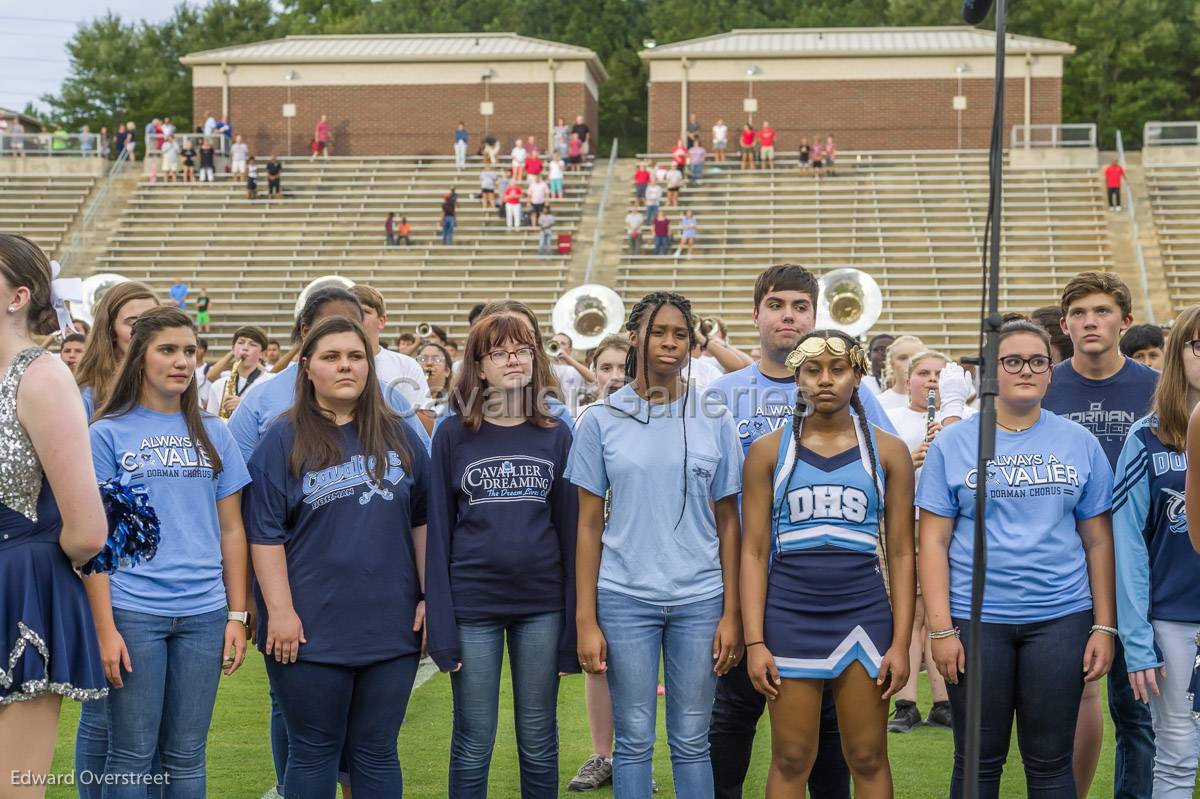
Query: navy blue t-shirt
{"x": 348, "y": 541}
{"x": 502, "y": 526}
{"x": 1107, "y": 408}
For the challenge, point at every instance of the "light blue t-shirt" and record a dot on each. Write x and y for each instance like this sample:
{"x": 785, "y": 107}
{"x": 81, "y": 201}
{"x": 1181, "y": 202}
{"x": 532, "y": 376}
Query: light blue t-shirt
{"x": 263, "y": 404}
{"x": 1042, "y": 481}
{"x": 154, "y": 450}
{"x": 651, "y": 552}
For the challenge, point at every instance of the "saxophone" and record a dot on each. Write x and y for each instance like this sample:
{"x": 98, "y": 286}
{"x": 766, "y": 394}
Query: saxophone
{"x": 230, "y": 390}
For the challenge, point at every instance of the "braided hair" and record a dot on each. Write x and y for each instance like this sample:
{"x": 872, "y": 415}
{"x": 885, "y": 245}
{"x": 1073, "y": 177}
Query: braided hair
{"x": 642, "y": 316}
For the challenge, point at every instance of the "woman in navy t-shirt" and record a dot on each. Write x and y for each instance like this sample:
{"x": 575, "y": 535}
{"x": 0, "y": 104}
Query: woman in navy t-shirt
{"x": 336, "y": 522}
{"x": 501, "y": 555}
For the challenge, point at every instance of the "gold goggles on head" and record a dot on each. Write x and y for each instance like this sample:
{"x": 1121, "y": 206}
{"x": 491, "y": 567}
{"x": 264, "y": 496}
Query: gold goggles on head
{"x": 834, "y": 345}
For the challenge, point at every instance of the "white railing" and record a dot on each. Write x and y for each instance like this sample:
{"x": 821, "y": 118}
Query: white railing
{"x": 1167, "y": 134}
{"x": 1073, "y": 135}
{"x": 47, "y": 143}
{"x": 608, "y": 181}
{"x": 1134, "y": 233}
{"x": 87, "y": 222}
{"x": 154, "y": 142}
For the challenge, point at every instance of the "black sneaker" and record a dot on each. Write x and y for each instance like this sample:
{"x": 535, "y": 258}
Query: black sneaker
{"x": 905, "y": 717}
{"x": 939, "y": 715}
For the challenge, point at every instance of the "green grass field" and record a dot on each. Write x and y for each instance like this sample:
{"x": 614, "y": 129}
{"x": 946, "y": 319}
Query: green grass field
{"x": 239, "y": 752}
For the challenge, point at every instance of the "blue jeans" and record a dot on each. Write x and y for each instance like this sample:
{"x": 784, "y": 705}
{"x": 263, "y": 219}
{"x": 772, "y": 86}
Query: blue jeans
{"x": 1133, "y": 771}
{"x": 167, "y": 700}
{"x": 1176, "y": 731}
{"x": 448, "y": 230}
{"x": 279, "y": 740}
{"x": 639, "y": 635}
{"x": 1032, "y": 670}
{"x": 533, "y": 660}
{"x": 329, "y": 707}
{"x": 662, "y": 245}
{"x": 651, "y": 212}
{"x": 546, "y": 243}
{"x": 91, "y": 752}
{"x": 697, "y": 171}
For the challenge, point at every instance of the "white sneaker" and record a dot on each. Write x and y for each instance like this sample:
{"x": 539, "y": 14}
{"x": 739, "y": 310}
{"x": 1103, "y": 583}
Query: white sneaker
{"x": 273, "y": 793}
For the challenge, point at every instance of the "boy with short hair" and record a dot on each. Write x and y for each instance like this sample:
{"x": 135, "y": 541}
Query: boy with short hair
{"x": 1144, "y": 343}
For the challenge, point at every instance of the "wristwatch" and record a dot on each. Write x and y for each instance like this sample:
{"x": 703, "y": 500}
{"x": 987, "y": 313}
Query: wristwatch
{"x": 238, "y": 615}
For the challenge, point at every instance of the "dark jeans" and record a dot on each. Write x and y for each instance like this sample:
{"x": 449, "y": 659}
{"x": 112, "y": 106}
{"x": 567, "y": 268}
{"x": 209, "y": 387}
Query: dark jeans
{"x": 735, "y": 716}
{"x": 329, "y": 706}
{"x": 1032, "y": 671}
{"x": 1114, "y": 199}
{"x": 1133, "y": 771}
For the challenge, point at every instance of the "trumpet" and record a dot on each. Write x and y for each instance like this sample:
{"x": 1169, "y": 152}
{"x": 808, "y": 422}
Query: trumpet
{"x": 553, "y": 348}
{"x": 708, "y": 324}
{"x": 424, "y": 330}
{"x": 230, "y": 390}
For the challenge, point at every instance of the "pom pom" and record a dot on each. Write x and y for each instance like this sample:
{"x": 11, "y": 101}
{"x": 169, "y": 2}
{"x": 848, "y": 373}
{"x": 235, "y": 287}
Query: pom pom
{"x": 133, "y": 529}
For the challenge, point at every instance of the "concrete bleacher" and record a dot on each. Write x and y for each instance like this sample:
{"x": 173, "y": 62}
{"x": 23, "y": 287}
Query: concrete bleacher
{"x": 1174, "y": 194}
{"x": 914, "y": 221}
{"x": 42, "y": 207}
{"x": 254, "y": 257}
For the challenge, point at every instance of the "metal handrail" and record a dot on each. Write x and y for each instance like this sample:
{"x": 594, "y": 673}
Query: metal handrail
{"x": 1060, "y": 135}
{"x": 608, "y": 181}
{"x": 1185, "y": 133}
{"x": 50, "y": 144}
{"x": 1135, "y": 234}
{"x": 89, "y": 214}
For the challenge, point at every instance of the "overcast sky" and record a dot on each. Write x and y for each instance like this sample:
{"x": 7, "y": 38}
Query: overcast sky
{"x": 33, "y": 38}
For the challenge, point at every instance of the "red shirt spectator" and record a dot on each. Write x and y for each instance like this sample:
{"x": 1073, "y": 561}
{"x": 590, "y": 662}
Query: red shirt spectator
{"x": 747, "y": 138}
{"x": 512, "y": 195}
{"x": 766, "y": 137}
{"x": 574, "y": 148}
{"x": 322, "y": 131}
{"x": 679, "y": 154}
{"x": 533, "y": 165}
{"x": 642, "y": 176}
{"x": 1113, "y": 174}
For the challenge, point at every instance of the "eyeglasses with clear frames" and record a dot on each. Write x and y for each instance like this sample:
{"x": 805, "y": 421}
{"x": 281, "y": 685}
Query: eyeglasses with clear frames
{"x": 430, "y": 360}
{"x": 1015, "y": 364}
{"x": 500, "y": 357}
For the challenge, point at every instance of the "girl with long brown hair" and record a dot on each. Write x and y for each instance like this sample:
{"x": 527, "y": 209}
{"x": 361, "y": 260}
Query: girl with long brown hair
{"x": 501, "y": 555}
{"x": 170, "y": 625}
{"x": 339, "y": 487}
{"x": 112, "y": 328}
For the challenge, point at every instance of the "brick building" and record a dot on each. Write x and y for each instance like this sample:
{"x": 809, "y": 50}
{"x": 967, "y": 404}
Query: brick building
{"x": 871, "y": 88}
{"x": 395, "y": 94}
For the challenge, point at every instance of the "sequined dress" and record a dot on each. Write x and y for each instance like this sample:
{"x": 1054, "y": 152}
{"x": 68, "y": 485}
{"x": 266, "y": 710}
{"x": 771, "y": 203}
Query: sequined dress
{"x": 47, "y": 639}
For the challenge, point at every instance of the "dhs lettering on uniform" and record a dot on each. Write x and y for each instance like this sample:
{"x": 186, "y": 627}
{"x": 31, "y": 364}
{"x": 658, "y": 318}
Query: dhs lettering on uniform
{"x": 839, "y": 502}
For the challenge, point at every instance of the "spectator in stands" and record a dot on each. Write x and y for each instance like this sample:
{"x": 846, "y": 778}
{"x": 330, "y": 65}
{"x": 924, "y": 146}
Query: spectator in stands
{"x": 561, "y": 134}
{"x": 491, "y": 150}
{"x": 460, "y": 145}
{"x": 449, "y": 216}
{"x": 389, "y": 229}
{"x": 518, "y": 154}
{"x": 59, "y": 140}
{"x": 251, "y": 179}
{"x": 696, "y": 156}
{"x": 203, "y": 318}
{"x": 581, "y": 130}
{"x": 179, "y": 293}
{"x": 72, "y": 349}
{"x": 653, "y": 200}
{"x": 18, "y": 137}
{"x": 226, "y": 132}
{"x": 487, "y": 188}
{"x": 170, "y": 159}
{"x": 404, "y": 232}
{"x": 539, "y": 192}
{"x": 87, "y": 142}
{"x": 633, "y": 228}
{"x": 239, "y": 154}
{"x": 674, "y": 184}
{"x": 804, "y": 156}
{"x": 687, "y": 236}
{"x": 747, "y": 143}
{"x": 103, "y": 143}
{"x": 720, "y": 139}
{"x": 766, "y": 138}
{"x": 271, "y": 353}
{"x": 1114, "y": 173}
{"x": 641, "y": 179}
{"x": 533, "y": 165}
{"x": 662, "y": 233}
{"x": 818, "y": 156}
{"x": 189, "y": 161}
{"x": 556, "y": 176}
{"x": 123, "y": 136}
{"x": 546, "y": 224}
{"x": 1049, "y": 317}
{"x": 168, "y": 128}
{"x": 210, "y": 124}
{"x": 830, "y": 154}
{"x": 1144, "y": 343}
{"x": 207, "y": 161}
{"x": 3, "y": 135}
{"x": 679, "y": 154}
{"x": 575, "y": 152}
{"x": 693, "y": 131}
{"x": 274, "y": 177}
{"x": 153, "y": 131}
{"x": 512, "y": 204}
{"x": 406, "y": 344}
{"x": 532, "y": 147}
{"x": 323, "y": 138}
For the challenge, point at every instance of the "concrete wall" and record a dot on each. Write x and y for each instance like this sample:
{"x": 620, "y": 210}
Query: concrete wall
{"x": 54, "y": 165}
{"x": 1175, "y": 154}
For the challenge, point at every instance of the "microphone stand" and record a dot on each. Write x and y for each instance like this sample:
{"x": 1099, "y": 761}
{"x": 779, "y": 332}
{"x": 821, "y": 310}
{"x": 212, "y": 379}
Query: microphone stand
{"x": 990, "y": 334}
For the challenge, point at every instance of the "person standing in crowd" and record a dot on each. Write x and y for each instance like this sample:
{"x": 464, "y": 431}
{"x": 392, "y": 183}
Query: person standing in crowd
{"x": 501, "y": 556}
{"x": 679, "y": 155}
{"x": 389, "y": 229}
{"x": 1048, "y": 606}
{"x": 438, "y": 366}
{"x": 761, "y": 397}
{"x": 766, "y": 138}
{"x": 877, "y": 357}
{"x": 559, "y": 138}
{"x": 1158, "y": 572}
{"x": 322, "y": 138}
{"x": 633, "y": 228}
{"x": 693, "y": 131}
{"x": 103, "y": 143}
{"x": 641, "y": 179}
{"x": 573, "y": 376}
{"x": 169, "y": 626}
{"x": 245, "y": 352}
{"x": 72, "y": 350}
{"x": 818, "y": 156}
{"x": 170, "y": 159}
{"x": 687, "y": 236}
{"x": 555, "y": 170}
{"x": 830, "y": 154}
{"x": 207, "y": 160}
{"x": 584, "y": 134}
{"x": 239, "y": 157}
{"x": 404, "y": 232}
{"x": 746, "y": 140}
{"x": 539, "y": 192}
{"x": 274, "y": 177}
{"x": 662, "y": 233}
{"x": 108, "y": 342}
{"x": 203, "y": 317}
{"x": 546, "y": 223}
{"x": 460, "y": 146}
{"x": 653, "y": 201}
{"x": 512, "y": 205}
{"x": 51, "y": 520}
{"x": 814, "y": 599}
{"x": 251, "y": 179}
{"x": 179, "y": 292}
{"x": 1050, "y": 318}
{"x": 395, "y": 370}
{"x": 189, "y": 161}
{"x": 533, "y": 163}
{"x": 342, "y": 677}
{"x": 636, "y": 609}
{"x": 518, "y": 155}
{"x": 271, "y": 353}
{"x": 696, "y": 156}
{"x": 487, "y": 188}
{"x": 1114, "y": 173}
{"x": 607, "y": 365}
{"x": 449, "y": 216}
{"x": 930, "y": 409}
{"x": 895, "y": 368}
{"x": 1145, "y": 344}
{"x": 720, "y": 139}
{"x": 491, "y": 150}
{"x": 575, "y": 151}
{"x": 1106, "y": 392}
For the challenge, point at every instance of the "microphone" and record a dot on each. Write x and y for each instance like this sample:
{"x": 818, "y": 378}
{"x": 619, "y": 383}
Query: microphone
{"x": 974, "y": 11}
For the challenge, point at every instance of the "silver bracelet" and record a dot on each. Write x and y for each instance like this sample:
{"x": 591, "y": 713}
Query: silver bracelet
{"x": 1102, "y": 628}
{"x": 950, "y": 632}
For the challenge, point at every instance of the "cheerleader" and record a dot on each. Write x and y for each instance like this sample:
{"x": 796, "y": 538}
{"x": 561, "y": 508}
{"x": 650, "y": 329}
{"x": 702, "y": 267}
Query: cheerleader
{"x": 816, "y": 493}
{"x": 1158, "y": 573}
{"x": 112, "y": 329}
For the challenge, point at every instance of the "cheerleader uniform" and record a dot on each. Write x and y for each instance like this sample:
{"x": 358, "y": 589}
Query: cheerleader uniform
{"x": 47, "y": 640}
{"x": 826, "y": 604}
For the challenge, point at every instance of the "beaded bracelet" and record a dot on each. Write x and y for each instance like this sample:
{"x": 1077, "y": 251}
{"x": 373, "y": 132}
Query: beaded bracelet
{"x": 950, "y": 632}
{"x": 1102, "y": 628}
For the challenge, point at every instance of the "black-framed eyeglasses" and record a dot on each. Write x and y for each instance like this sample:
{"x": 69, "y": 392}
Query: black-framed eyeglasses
{"x": 500, "y": 357}
{"x": 1195, "y": 345}
{"x": 1015, "y": 364}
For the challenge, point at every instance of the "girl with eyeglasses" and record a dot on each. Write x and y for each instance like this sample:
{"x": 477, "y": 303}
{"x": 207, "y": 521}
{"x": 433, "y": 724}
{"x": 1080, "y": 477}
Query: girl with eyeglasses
{"x": 438, "y": 366}
{"x": 500, "y": 563}
{"x": 1049, "y": 614}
